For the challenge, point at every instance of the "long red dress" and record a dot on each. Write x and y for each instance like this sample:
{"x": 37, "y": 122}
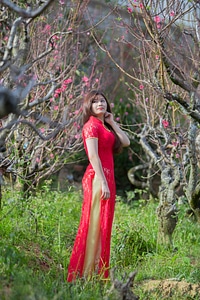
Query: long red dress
{"x": 91, "y": 251}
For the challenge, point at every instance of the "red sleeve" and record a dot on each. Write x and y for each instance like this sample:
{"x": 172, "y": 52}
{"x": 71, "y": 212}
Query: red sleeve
{"x": 90, "y": 130}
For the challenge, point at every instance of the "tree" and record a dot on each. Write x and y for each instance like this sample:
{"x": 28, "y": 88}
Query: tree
{"x": 163, "y": 38}
{"x": 42, "y": 74}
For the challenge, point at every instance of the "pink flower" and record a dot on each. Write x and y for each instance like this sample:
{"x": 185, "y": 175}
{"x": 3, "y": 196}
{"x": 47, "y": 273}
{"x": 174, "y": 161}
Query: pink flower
{"x": 141, "y": 87}
{"x": 120, "y": 100}
{"x": 51, "y": 155}
{"x": 56, "y": 95}
{"x": 37, "y": 160}
{"x": 56, "y": 107}
{"x": 157, "y": 57}
{"x": 165, "y": 123}
{"x": 172, "y": 13}
{"x": 42, "y": 130}
{"x": 62, "y": 2}
{"x": 55, "y": 37}
{"x": 67, "y": 81}
{"x": 85, "y": 79}
{"x": 129, "y": 10}
{"x": 47, "y": 28}
{"x": 112, "y": 105}
{"x": 141, "y": 6}
{"x": 126, "y": 113}
{"x": 118, "y": 119}
{"x": 175, "y": 143}
{"x": 157, "y": 19}
{"x": 58, "y": 91}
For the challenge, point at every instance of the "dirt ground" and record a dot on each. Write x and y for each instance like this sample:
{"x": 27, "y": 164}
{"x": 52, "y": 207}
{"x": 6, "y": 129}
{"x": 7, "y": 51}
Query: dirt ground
{"x": 165, "y": 289}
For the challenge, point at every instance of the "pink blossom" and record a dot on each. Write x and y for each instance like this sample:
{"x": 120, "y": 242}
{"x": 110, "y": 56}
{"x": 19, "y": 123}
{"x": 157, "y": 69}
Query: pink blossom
{"x": 172, "y": 13}
{"x": 157, "y": 57}
{"x": 51, "y": 155}
{"x": 126, "y": 113}
{"x": 62, "y": 2}
{"x": 129, "y": 10}
{"x": 56, "y": 107}
{"x": 58, "y": 91}
{"x": 85, "y": 79}
{"x": 67, "y": 81}
{"x": 175, "y": 143}
{"x": 47, "y": 28}
{"x": 37, "y": 160}
{"x": 55, "y": 37}
{"x": 146, "y": 99}
{"x": 76, "y": 112}
{"x": 56, "y": 95}
{"x": 63, "y": 88}
{"x": 157, "y": 19}
{"x": 77, "y": 136}
{"x": 165, "y": 123}
{"x": 120, "y": 100}
{"x": 42, "y": 130}
{"x": 141, "y": 6}
{"x": 112, "y": 105}
{"x": 118, "y": 119}
{"x": 141, "y": 87}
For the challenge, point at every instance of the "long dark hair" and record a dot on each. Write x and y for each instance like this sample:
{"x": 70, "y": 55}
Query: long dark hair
{"x": 87, "y": 112}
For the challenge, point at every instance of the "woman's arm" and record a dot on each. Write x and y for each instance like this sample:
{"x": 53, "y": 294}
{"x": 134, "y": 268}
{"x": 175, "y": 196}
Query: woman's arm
{"x": 121, "y": 134}
{"x": 92, "y": 147}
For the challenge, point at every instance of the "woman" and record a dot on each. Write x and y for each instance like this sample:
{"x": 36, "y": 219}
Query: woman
{"x": 102, "y": 137}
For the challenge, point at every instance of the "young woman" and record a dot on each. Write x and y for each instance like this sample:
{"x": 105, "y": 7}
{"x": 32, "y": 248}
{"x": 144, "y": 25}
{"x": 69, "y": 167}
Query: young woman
{"x": 102, "y": 137}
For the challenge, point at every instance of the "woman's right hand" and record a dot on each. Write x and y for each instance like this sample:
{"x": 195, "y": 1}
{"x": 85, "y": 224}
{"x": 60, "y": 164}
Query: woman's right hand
{"x": 105, "y": 191}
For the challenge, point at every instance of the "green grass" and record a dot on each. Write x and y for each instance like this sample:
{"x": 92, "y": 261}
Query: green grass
{"x": 37, "y": 237}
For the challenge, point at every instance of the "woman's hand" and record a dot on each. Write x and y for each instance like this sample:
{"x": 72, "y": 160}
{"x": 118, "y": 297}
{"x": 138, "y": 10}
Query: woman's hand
{"x": 105, "y": 192}
{"x": 108, "y": 117}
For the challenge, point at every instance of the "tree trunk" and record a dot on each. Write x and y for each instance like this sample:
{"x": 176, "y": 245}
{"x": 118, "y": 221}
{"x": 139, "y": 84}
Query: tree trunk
{"x": 167, "y": 211}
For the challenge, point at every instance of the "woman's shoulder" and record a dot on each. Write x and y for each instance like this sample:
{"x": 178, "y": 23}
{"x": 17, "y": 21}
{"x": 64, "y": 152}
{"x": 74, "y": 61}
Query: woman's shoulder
{"x": 92, "y": 122}
{"x": 91, "y": 128}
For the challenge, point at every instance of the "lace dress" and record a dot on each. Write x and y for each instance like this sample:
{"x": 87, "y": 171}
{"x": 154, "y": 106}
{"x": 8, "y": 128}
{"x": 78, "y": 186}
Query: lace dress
{"x": 91, "y": 251}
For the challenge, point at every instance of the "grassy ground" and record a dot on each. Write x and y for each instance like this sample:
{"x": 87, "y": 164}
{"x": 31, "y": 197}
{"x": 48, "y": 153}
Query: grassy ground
{"x": 37, "y": 237}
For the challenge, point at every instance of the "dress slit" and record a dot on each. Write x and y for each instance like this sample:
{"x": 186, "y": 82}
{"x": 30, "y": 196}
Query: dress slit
{"x": 93, "y": 244}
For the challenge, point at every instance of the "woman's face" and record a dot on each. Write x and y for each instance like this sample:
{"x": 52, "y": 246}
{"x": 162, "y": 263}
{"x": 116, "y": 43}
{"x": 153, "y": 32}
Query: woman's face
{"x": 99, "y": 106}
